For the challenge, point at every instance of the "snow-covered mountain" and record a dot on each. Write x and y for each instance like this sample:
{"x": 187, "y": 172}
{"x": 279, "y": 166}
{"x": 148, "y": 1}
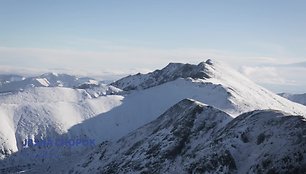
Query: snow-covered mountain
{"x": 110, "y": 112}
{"x": 48, "y": 112}
{"x": 210, "y": 82}
{"x": 192, "y": 137}
{"x": 231, "y": 93}
{"x": 7, "y": 78}
{"x": 171, "y": 72}
{"x": 298, "y": 98}
{"x": 17, "y": 83}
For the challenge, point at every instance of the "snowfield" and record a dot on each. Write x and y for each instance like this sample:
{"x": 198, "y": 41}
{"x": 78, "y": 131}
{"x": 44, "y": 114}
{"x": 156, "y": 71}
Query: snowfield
{"x": 46, "y": 112}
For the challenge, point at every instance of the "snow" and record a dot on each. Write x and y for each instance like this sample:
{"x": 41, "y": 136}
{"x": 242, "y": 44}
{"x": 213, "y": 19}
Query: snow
{"x": 65, "y": 108}
{"x": 15, "y": 83}
{"x": 231, "y": 93}
{"x": 213, "y": 142}
{"x": 77, "y": 107}
{"x": 43, "y": 81}
{"x": 37, "y": 111}
{"x": 241, "y": 92}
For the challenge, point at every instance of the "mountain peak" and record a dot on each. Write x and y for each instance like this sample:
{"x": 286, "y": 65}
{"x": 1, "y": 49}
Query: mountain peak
{"x": 50, "y": 74}
{"x": 209, "y": 62}
{"x": 169, "y": 73}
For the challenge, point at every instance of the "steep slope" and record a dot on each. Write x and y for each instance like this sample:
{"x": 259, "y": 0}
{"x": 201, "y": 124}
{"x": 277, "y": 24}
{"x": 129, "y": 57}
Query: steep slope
{"x": 222, "y": 82}
{"x": 44, "y": 80}
{"x": 193, "y": 138}
{"x": 167, "y": 134}
{"x": 298, "y": 98}
{"x": 47, "y": 112}
{"x": 171, "y": 72}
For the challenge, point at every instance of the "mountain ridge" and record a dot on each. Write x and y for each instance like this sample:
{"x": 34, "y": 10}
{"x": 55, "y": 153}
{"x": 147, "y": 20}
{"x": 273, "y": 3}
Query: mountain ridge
{"x": 169, "y": 73}
{"x": 197, "y": 133}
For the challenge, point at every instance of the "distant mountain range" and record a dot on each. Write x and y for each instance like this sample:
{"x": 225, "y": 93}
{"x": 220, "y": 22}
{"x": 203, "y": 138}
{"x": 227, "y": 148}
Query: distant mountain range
{"x": 298, "y": 98}
{"x": 11, "y": 83}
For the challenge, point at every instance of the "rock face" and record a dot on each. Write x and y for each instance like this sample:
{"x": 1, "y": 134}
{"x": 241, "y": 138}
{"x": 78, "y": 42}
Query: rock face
{"x": 194, "y": 138}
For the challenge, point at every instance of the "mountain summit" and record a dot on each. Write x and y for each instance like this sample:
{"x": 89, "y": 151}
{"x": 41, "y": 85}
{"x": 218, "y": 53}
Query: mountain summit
{"x": 171, "y": 72}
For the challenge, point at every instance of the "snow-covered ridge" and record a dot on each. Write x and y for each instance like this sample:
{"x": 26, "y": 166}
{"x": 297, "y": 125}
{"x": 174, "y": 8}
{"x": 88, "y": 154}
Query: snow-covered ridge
{"x": 298, "y": 98}
{"x": 219, "y": 86}
{"x": 191, "y": 137}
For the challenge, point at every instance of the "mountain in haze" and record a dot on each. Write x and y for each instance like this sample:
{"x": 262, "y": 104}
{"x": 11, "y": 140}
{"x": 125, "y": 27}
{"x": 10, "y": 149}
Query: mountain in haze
{"x": 108, "y": 113}
{"x": 7, "y": 78}
{"x": 17, "y": 83}
{"x": 298, "y": 98}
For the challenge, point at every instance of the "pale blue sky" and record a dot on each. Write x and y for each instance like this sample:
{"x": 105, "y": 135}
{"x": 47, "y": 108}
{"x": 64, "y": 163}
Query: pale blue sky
{"x": 132, "y": 35}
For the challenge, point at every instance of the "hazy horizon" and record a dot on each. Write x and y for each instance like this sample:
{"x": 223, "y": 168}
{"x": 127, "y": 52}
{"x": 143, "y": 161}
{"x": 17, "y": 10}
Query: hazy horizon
{"x": 263, "y": 40}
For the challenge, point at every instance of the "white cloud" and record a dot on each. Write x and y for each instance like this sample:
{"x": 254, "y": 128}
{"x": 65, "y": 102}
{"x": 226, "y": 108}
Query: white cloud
{"x": 278, "y": 78}
{"x": 119, "y": 61}
{"x": 123, "y": 59}
{"x": 268, "y": 75}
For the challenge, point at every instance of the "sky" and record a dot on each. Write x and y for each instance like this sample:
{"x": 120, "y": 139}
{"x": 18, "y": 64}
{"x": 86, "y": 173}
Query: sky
{"x": 265, "y": 40}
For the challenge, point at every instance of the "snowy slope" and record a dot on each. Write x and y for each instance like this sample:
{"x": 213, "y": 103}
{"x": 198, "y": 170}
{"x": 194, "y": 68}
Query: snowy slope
{"x": 194, "y": 138}
{"x": 298, "y": 98}
{"x": 221, "y": 82}
{"x": 141, "y": 107}
{"x": 44, "y": 80}
{"x": 47, "y": 112}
